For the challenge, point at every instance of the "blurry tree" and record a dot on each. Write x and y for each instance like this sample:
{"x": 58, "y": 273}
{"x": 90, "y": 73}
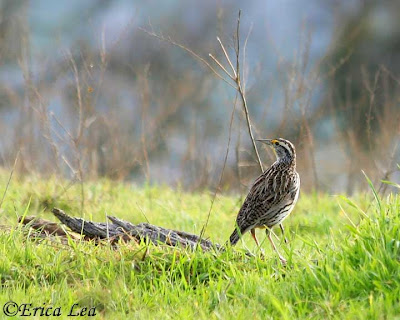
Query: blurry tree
{"x": 82, "y": 99}
{"x": 364, "y": 94}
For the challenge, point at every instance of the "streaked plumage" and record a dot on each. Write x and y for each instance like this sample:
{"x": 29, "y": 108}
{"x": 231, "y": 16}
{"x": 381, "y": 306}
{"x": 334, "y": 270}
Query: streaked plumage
{"x": 272, "y": 196}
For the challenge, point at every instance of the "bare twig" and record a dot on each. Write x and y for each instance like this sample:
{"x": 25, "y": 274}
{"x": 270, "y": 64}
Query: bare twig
{"x": 222, "y": 67}
{"x": 371, "y": 88}
{"x": 145, "y": 95}
{"x": 79, "y": 97}
{"x": 9, "y": 179}
{"x": 222, "y": 171}
{"x": 235, "y": 78}
{"x": 383, "y": 186}
{"x": 191, "y": 52}
{"x": 244, "y": 57}
{"x": 227, "y": 56}
{"x": 238, "y": 83}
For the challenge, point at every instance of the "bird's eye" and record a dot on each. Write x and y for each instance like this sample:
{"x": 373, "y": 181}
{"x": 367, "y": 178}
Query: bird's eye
{"x": 277, "y": 143}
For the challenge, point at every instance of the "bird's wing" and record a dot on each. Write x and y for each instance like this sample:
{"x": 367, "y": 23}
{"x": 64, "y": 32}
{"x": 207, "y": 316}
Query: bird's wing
{"x": 269, "y": 189}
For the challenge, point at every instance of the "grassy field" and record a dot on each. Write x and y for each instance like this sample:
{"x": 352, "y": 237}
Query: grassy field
{"x": 342, "y": 264}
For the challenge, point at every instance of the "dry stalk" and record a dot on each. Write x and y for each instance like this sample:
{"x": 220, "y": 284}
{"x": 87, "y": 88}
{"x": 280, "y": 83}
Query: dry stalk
{"x": 236, "y": 78}
{"x": 191, "y": 52}
{"x": 145, "y": 96}
{"x": 9, "y": 179}
{"x": 371, "y": 88}
{"x": 203, "y": 229}
{"x": 233, "y": 80}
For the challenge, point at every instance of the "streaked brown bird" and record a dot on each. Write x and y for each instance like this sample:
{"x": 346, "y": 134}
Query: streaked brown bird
{"x": 272, "y": 196}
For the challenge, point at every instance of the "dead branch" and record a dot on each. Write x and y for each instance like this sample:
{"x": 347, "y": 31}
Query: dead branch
{"x": 233, "y": 80}
{"x": 43, "y": 226}
{"x": 116, "y": 230}
{"x": 239, "y": 86}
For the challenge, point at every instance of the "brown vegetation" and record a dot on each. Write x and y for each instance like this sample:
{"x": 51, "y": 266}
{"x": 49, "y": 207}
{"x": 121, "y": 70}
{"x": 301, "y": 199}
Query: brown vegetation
{"x": 134, "y": 109}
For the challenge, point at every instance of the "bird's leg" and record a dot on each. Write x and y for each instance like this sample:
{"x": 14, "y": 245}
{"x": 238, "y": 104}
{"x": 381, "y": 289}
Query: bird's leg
{"x": 283, "y": 260}
{"x": 253, "y": 234}
{"x": 283, "y": 233}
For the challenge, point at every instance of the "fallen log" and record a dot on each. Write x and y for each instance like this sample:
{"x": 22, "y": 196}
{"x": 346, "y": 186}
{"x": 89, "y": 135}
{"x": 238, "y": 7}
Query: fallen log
{"x": 118, "y": 229}
{"x": 43, "y": 226}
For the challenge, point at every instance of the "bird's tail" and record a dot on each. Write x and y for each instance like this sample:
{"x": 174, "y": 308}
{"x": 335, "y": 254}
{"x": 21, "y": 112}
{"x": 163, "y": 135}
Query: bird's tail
{"x": 234, "y": 238}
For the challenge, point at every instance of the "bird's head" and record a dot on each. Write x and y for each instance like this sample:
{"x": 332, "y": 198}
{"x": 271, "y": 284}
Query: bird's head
{"x": 284, "y": 149}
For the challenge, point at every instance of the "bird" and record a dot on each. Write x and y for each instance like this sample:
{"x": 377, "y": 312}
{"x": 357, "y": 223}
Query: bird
{"x": 272, "y": 196}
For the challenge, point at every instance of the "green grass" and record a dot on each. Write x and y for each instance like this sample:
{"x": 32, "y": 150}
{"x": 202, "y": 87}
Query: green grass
{"x": 341, "y": 264}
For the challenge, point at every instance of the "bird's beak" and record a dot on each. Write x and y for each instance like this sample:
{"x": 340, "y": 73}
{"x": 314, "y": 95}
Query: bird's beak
{"x": 266, "y": 141}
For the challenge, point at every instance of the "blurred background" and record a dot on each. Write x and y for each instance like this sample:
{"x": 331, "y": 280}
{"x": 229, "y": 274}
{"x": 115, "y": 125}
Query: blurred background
{"x": 92, "y": 89}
